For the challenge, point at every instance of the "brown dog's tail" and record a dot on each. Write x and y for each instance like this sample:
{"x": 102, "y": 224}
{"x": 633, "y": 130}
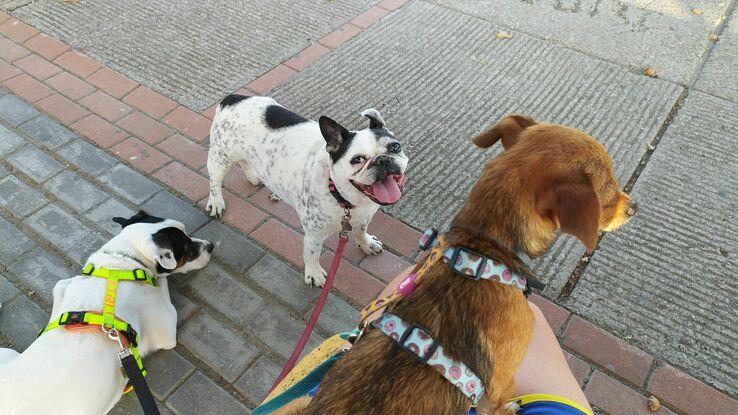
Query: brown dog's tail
{"x": 508, "y": 129}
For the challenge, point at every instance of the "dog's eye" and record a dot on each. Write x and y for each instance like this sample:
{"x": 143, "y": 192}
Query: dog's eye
{"x": 357, "y": 160}
{"x": 394, "y": 147}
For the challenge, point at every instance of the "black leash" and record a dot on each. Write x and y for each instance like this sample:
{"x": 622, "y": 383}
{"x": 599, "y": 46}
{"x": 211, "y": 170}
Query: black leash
{"x": 137, "y": 380}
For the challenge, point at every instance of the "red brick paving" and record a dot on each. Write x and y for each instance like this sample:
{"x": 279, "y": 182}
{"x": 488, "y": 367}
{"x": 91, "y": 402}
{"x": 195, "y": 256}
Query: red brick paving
{"x": 241, "y": 214}
{"x": 279, "y": 238}
{"x": 78, "y": 63}
{"x": 8, "y": 71}
{"x": 185, "y": 151}
{"x": 269, "y": 80}
{"x": 386, "y": 265}
{"x": 280, "y": 210}
{"x": 37, "y": 67}
{"x": 607, "y": 350}
{"x": 28, "y": 88}
{"x": 307, "y": 57}
{"x": 392, "y": 4}
{"x": 189, "y": 122}
{"x": 210, "y": 112}
{"x": 359, "y": 286}
{"x": 395, "y": 234}
{"x": 62, "y": 108}
{"x": 70, "y": 85}
{"x": 369, "y": 17}
{"x": 147, "y": 129}
{"x": 236, "y": 182}
{"x": 17, "y": 30}
{"x": 100, "y": 131}
{"x": 4, "y": 16}
{"x": 579, "y": 368}
{"x": 111, "y": 82}
{"x": 352, "y": 252}
{"x": 184, "y": 180}
{"x": 340, "y": 36}
{"x": 10, "y": 51}
{"x": 150, "y": 102}
{"x": 46, "y": 46}
{"x": 618, "y": 399}
{"x": 688, "y": 394}
{"x": 105, "y": 106}
{"x": 555, "y": 315}
{"x": 139, "y": 154}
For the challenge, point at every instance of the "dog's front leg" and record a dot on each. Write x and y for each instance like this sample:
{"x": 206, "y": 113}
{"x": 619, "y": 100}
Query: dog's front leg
{"x": 370, "y": 244}
{"x": 311, "y": 247}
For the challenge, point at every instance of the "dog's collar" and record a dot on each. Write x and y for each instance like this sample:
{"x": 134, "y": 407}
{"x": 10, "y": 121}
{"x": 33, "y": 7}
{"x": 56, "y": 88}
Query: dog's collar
{"x": 345, "y": 204}
{"x": 418, "y": 341}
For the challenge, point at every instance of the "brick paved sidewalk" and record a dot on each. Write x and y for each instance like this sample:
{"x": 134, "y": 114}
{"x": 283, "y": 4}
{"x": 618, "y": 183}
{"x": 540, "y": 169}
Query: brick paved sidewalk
{"x": 81, "y": 143}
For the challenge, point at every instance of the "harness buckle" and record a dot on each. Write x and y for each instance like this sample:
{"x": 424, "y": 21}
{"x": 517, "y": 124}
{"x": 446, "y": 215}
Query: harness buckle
{"x": 87, "y": 270}
{"x": 139, "y": 274}
{"x": 428, "y": 239}
{"x": 74, "y": 317}
{"x": 462, "y": 271}
{"x": 131, "y": 336}
{"x": 422, "y": 355}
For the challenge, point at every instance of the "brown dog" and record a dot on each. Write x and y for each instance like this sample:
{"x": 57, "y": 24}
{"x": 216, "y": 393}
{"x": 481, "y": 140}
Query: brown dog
{"x": 550, "y": 178}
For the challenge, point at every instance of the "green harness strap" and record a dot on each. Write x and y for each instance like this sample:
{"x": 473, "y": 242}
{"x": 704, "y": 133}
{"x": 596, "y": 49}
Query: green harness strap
{"x": 107, "y": 319}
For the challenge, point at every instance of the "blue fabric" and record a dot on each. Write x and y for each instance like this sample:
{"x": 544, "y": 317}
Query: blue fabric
{"x": 544, "y": 408}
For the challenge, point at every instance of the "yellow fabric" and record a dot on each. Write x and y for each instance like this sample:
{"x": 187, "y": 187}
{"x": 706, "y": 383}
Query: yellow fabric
{"x": 538, "y": 397}
{"x": 306, "y": 365}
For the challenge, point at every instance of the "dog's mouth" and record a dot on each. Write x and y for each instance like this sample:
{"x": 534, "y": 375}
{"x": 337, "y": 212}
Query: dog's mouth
{"x": 384, "y": 192}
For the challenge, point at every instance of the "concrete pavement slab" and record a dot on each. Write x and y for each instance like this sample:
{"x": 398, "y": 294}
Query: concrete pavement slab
{"x": 669, "y": 36}
{"x": 718, "y": 76}
{"x": 437, "y": 98}
{"x": 665, "y": 281}
{"x": 194, "y": 52}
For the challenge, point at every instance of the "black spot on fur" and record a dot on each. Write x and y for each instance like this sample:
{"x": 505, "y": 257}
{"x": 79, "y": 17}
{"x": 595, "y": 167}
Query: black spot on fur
{"x": 140, "y": 217}
{"x": 233, "y": 99}
{"x": 277, "y": 117}
{"x": 381, "y": 132}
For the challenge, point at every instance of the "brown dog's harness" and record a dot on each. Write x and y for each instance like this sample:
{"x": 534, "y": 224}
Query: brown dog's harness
{"x": 418, "y": 340}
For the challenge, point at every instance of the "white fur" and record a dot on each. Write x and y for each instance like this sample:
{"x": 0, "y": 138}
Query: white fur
{"x": 78, "y": 372}
{"x": 294, "y": 164}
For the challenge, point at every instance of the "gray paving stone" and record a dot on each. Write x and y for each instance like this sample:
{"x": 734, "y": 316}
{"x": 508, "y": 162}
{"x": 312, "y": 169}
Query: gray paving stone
{"x": 167, "y": 369}
{"x": 18, "y": 244}
{"x": 40, "y": 270}
{"x": 87, "y": 157}
{"x": 225, "y": 294}
{"x": 665, "y": 281}
{"x": 7, "y": 290}
{"x": 282, "y": 281}
{"x": 200, "y": 395}
{"x": 48, "y": 132}
{"x": 185, "y": 307}
{"x": 258, "y": 379}
{"x": 76, "y": 191}
{"x": 20, "y": 321}
{"x": 172, "y": 38}
{"x": 221, "y": 347}
{"x": 280, "y": 331}
{"x": 34, "y": 163}
{"x": 166, "y": 205}
{"x": 19, "y": 198}
{"x": 629, "y": 32}
{"x": 129, "y": 184}
{"x": 9, "y": 141}
{"x": 338, "y": 316}
{"x": 232, "y": 248}
{"x": 14, "y": 110}
{"x": 128, "y": 405}
{"x": 65, "y": 232}
{"x": 3, "y": 171}
{"x": 473, "y": 81}
{"x": 718, "y": 75}
{"x": 103, "y": 215}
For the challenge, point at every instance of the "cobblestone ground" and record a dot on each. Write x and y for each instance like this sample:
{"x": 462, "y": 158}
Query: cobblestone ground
{"x": 100, "y": 124}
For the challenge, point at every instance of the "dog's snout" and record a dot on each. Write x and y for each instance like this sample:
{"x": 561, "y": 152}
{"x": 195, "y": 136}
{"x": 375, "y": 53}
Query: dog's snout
{"x": 632, "y": 208}
{"x": 210, "y": 246}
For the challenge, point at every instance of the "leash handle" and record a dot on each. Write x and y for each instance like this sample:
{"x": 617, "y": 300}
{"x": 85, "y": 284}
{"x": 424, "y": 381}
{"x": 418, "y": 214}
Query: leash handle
{"x": 143, "y": 393}
{"x": 342, "y": 240}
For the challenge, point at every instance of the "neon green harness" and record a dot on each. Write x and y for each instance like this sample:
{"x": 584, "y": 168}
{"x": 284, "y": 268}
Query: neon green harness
{"x": 107, "y": 321}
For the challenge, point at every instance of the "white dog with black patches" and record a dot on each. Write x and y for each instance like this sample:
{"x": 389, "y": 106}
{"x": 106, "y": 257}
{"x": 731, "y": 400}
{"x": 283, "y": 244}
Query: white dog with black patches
{"x": 296, "y": 159}
{"x": 78, "y": 371}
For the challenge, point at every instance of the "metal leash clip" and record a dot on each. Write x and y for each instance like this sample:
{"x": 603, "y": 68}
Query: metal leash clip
{"x": 113, "y": 334}
{"x": 346, "y": 222}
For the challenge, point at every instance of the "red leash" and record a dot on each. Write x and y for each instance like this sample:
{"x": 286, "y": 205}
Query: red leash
{"x": 343, "y": 238}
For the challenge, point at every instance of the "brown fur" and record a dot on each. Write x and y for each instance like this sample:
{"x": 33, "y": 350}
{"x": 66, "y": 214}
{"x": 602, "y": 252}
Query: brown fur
{"x": 550, "y": 178}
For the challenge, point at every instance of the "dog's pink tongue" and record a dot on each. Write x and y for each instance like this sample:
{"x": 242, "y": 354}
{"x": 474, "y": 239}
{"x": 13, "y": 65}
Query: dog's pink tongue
{"x": 387, "y": 191}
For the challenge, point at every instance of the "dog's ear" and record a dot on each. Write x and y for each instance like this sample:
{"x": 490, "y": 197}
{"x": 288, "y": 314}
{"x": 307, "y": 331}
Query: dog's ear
{"x": 333, "y": 133}
{"x": 508, "y": 130}
{"x": 138, "y": 217}
{"x": 575, "y": 207}
{"x": 160, "y": 248}
{"x": 375, "y": 118}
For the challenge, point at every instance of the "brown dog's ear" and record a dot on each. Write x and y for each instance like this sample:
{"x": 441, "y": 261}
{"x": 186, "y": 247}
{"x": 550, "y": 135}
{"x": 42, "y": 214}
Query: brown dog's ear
{"x": 508, "y": 130}
{"x": 576, "y": 208}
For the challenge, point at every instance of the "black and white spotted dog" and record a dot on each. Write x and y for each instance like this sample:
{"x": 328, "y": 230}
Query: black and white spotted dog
{"x": 296, "y": 157}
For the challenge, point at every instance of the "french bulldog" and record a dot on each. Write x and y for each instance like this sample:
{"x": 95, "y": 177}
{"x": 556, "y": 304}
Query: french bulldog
{"x": 321, "y": 169}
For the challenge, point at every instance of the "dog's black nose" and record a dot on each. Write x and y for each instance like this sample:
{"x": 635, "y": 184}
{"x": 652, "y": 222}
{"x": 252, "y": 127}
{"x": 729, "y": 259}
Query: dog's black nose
{"x": 210, "y": 246}
{"x": 632, "y": 208}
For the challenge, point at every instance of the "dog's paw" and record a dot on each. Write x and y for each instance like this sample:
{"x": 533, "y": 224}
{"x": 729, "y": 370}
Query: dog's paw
{"x": 315, "y": 277}
{"x": 215, "y": 206}
{"x": 371, "y": 245}
{"x": 274, "y": 197}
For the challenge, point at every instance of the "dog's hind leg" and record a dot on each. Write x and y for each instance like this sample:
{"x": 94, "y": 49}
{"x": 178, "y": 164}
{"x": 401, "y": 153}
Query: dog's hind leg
{"x": 218, "y": 165}
{"x": 250, "y": 175}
